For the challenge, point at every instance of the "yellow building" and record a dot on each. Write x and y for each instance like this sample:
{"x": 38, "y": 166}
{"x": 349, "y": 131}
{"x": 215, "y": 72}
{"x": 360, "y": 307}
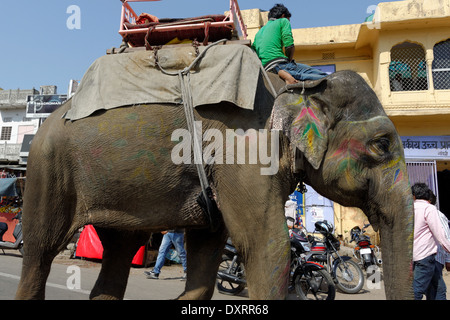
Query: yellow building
{"x": 403, "y": 52}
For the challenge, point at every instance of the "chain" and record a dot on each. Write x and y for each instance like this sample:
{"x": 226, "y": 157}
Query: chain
{"x": 196, "y": 44}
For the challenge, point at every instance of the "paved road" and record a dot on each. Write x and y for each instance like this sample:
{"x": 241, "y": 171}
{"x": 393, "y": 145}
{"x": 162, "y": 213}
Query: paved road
{"x": 68, "y": 273}
{"x": 64, "y": 275}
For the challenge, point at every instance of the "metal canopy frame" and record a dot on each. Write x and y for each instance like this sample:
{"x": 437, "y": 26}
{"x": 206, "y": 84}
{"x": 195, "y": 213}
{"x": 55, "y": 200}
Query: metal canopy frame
{"x": 232, "y": 20}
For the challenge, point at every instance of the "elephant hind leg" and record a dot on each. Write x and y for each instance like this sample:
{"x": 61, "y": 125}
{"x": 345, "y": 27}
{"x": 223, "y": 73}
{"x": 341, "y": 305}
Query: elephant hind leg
{"x": 119, "y": 248}
{"x": 43, "y": 240}
{"x": 40, "y": 249}
{"x": 35, "y": 271}
{"x": 204, "y": 254}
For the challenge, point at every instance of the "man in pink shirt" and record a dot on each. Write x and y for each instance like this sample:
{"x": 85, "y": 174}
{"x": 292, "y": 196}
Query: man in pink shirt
{"x": 430, "y": 230}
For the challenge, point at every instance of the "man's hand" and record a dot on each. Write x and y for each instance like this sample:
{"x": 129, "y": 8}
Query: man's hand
{"x": 289, "y": 52}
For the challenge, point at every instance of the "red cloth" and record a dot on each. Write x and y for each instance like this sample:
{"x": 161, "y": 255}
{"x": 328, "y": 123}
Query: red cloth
{"x": 90, "y": 246}
{"x": 146, "y": 18}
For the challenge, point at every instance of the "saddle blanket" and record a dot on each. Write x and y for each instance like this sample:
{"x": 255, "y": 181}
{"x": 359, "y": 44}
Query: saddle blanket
{"x": 225, "y": 73}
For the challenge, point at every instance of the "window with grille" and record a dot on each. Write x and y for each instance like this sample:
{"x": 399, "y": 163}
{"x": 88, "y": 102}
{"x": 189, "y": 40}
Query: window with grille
{"x": 441, "y": 65}
{"x": 408, "y": 68}
{"x": 328, "y": 56}
{"x": 425, "y": 172}
{"x": 6, "y": 133}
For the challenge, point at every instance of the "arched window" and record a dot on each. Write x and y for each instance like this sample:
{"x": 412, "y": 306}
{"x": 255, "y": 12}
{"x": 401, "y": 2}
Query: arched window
{"x": 441, "y": 65}
{"x": 408, "y": 68}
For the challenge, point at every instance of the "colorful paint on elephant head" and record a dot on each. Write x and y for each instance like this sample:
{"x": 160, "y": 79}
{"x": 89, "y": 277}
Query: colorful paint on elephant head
{"x": 304, "y": 123}
{"x": 347, "y": 158}
{"x": 307, "y": 126}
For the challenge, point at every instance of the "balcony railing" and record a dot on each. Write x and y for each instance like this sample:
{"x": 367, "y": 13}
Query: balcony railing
{"x": 9, "y": 151}
{"x": 13, "y": 99}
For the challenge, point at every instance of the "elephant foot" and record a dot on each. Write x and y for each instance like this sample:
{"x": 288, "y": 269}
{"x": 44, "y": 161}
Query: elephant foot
{"x": 103, "y": 297}
{"x": 196, "y": 294}
{"x": 105, "y": 291}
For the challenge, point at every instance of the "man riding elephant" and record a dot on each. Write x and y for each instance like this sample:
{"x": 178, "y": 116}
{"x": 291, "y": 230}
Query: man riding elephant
{"x": 269, "y": 43}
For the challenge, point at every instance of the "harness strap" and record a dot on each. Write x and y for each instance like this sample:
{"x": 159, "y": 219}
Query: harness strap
{"x": 205, "y": 199}
{"x": 196, "y": 134}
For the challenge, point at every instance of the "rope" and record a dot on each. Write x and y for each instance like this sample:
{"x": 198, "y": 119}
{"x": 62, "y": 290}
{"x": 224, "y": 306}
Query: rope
{"x": 188, "y": 69}
{"x": 196, "y": 140}
{"x": 266, "y": 76}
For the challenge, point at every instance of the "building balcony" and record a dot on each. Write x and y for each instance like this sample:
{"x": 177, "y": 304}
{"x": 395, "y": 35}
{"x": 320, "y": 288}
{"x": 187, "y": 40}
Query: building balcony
{"x": 9, "y": 152}
{"x": 15, "y": 99}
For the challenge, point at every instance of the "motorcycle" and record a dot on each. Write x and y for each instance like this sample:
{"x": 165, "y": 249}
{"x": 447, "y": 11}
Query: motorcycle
{"x": 346, "y": 273}
{"x": 231, "y": 274}
{"x": 17, "y": 233}
{"x": 364, "y": 250}
{"x": 309, "y": 279}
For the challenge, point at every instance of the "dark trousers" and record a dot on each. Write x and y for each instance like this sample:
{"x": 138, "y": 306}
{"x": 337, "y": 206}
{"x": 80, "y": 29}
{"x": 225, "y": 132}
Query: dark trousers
{"x": 427, "y": 274}
{"x": 3, "y": 229}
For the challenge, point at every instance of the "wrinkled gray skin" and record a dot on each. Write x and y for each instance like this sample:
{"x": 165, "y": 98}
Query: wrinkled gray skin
{"x": 114, "y": 170}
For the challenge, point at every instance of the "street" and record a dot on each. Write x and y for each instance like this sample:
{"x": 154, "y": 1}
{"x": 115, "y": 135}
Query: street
{"x": 72, "y": 279}
{"x": 63, "y": 277}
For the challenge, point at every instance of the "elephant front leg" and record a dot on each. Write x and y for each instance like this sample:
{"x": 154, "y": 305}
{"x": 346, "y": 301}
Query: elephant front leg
{"x": 204, "y": 253}
{"x": 261, "y": 238}
{"x": 267, "y": 269}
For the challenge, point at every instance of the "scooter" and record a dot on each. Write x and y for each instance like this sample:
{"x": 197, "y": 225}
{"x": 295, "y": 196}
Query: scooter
{"x": 17, "y": 233}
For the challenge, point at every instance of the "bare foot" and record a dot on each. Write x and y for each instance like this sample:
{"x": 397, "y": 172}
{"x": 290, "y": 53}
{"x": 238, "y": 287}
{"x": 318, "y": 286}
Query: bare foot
{"x": 287, "y": 77}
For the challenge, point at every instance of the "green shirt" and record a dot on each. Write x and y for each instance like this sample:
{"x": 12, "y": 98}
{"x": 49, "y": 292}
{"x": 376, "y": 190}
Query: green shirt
{"x": 270, "y": 40}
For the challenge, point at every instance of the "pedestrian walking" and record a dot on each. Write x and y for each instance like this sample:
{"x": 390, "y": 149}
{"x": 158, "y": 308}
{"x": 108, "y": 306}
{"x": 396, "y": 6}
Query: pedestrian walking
{"x": 430, "y": 230}
{"x": 175, "y": 237}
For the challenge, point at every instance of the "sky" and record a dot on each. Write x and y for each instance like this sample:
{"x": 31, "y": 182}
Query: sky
{"x": 38, "y": 48}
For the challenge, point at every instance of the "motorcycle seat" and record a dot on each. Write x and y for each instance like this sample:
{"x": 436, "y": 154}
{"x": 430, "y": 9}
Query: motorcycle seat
{"x": 8, "y": 245}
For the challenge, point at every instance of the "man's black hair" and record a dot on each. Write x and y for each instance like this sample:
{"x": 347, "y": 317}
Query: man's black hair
{"x": 421, "y": 191}
{"x": 278, "y": 10}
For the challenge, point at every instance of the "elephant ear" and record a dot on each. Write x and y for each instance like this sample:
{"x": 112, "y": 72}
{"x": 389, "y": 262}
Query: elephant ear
{"x": 303, "y": 121}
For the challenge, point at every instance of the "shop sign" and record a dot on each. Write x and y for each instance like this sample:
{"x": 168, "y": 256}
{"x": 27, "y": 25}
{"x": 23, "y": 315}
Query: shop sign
{"x": 426, "y": 147}
{"x": 41, "y": 106}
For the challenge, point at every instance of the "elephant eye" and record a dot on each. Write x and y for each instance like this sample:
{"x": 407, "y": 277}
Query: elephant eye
{"x": 379, "y": 145}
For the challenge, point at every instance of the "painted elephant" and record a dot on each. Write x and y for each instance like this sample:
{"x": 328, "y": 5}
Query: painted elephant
{"x": 120, "y": 170}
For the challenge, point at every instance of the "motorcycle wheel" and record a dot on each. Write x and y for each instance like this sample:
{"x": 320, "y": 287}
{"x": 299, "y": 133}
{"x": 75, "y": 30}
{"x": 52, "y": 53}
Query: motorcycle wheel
{"x": 349, "y": 276}
{"x": 236, "y": 270}
{"x": 315, "y": 285}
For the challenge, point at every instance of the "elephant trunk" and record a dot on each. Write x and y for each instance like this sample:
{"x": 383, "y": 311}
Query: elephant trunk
{"x": 395, "y": 220}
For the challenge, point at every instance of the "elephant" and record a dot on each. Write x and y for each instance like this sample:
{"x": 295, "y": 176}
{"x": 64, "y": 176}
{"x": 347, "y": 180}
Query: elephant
{"x": 116, "y": 171}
